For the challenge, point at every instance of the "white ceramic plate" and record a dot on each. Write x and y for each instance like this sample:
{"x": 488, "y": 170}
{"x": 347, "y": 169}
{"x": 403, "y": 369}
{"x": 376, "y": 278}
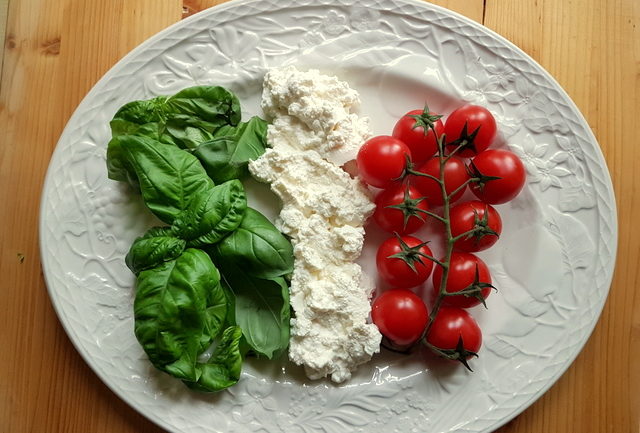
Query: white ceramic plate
{"x": 553, "y": 264}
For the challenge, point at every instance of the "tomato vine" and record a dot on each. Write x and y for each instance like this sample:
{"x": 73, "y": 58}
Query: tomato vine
{"x": 461, "y": 280}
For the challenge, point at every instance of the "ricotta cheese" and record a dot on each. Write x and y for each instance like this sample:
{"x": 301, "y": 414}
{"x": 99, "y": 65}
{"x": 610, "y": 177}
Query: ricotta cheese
{"x": 312, "y": 133}
{"x": 311, "y": 111}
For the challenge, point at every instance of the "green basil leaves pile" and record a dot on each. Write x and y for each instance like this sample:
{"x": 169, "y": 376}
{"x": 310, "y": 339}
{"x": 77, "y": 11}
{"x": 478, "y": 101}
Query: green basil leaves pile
{"x": 215, "y": 275}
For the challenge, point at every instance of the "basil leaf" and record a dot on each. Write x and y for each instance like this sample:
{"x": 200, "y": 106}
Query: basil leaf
{"x": 118, "y": 165}
{"x": 256, "y": 247}
{"x": 230, "y": 319}
{"x": 145, "y": 118}
{"x": 209, "y": 105}
{"x": 188, "y": 134}
{"x": 153, "y": 248}
{"x": 171, "y": 315}
{"x": 140, "y": 117}
{"x": 214, "y": 155}
{"x": 142, "y": 112}
{"x": 168, "y": 177}
{"x": 193, "y": 114}
{"x": 154, "y": 130}
{"x": 251, "y": 139}
{"x": 185, "y": 119}
{"x": 217, "y": 312}
{"x": 223, "y": 369}
{"x": 227, "y": 155}
{"x": 212, "y": 214}
{"x": 261, "y": 310}
{"x": 158, "y": 231}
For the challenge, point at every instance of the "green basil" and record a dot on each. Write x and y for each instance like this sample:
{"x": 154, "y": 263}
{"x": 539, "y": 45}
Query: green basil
{"x": 118, "y": 165}
{"x": 172, "y": 320}
{"x": 158, "y": 232}
{"x": 216, "y": 314}
{"x": 214, "y": 156}
{"x": 157, "y": 246}
{"x": 185, "y": 119}
{"x": 142, "y": 112}
{"x": 172, "y": 149}
{"x": 212, "y": 214}
{"x": 188, "y": 135}
{"x": 168, "y": 177}
{"x": 211, "y": 105}
{"x": 261, "y": 310}
{"x": 226, "y": 156}
{"x": 154, "y": 130}
{"x": 223, "y": 369}
{"x": 257, "y": 247}
{"x": 250, "y": 136}
{"x": 137, "y": 114}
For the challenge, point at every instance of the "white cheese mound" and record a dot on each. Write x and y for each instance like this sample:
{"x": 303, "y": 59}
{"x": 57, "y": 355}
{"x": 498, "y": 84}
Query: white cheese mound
{"x": 311, "y": 111}
{"x": 324, "y": 210}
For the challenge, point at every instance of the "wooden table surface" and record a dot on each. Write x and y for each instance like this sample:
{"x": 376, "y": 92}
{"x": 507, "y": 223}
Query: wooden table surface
{"x": 55, "y": 50}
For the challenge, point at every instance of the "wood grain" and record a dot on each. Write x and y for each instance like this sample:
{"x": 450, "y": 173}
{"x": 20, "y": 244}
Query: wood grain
{"x": 57, "y": 49}
{"x": 473, "y": 9}
{"x": 4, "y": 9}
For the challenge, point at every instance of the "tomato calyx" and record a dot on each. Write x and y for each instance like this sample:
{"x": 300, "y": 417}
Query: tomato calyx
{"x": 474, "y": 290}
{"x": 411, "y": 255}
{"x": 459, "y": 354}
{"x": 478, "y": 178}
{"x": 465, "y": 140}
{"x": 426, "y": 120}
{"x": 409, "y": 207}
{"x": 480, "y": 229}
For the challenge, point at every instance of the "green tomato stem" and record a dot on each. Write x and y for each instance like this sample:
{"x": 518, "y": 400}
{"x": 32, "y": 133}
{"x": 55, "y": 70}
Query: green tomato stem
{"x": 465, "y": 234}
{"x": 427, "y": 175}
{"x": 450, "y": 240}
{"x": 463, "y": 186}
{"x": 434, "y": 215}
{"x": 433, "y": 259}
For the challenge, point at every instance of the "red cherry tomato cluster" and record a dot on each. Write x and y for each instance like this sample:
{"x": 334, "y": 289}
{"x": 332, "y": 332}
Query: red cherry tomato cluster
{"x": 423, "y": 169}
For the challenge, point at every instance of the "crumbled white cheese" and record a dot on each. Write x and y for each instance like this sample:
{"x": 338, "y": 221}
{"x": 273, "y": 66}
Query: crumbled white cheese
{"x": 313, "y": 131}
{"x": 311, "y": 111}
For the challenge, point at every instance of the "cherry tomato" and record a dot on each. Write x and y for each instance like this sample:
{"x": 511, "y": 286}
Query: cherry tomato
{"x": 381, "y": 160}
{"x": 455, "y": 174}
{"x": 409, "y": 268}
{"x": 452, "y": 324}
{"x": 409, "y": 131}
{"x": 393, "y": 219}
{"x": 497, "y": 163}
{"x": 474, "y": 118}
{"x": 400, "y": 315}
{"x": 476, "y": 215}
{"x": 462, "y": 275}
